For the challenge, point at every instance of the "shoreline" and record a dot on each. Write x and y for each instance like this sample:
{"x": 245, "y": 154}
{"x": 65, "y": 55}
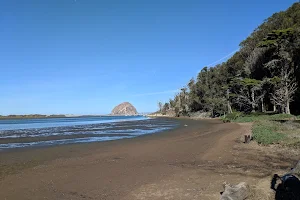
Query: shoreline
{"x": 181, "y": 122}
{"x": 106, "y": 170}
{"x": 28, "y": 157}
{"x": 85, "y": 133}
{"x": 20, "y": 117}
{"x": 190, "y": 162}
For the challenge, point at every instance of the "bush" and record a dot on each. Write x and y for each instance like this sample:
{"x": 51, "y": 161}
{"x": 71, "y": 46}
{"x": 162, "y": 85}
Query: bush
{"x": 231, "y": 116}
{"x": 266, "y": 132}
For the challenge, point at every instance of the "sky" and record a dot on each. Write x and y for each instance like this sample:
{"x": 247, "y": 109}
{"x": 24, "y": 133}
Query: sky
{"x": 87, "y": 56}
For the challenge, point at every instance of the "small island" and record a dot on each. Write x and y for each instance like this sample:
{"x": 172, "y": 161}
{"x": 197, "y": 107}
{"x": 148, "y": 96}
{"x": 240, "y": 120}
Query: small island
{"x": 124, "y": 108}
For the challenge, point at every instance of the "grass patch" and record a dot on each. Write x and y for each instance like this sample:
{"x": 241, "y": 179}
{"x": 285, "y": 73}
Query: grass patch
{"x": 241, "y": 117}
{"x": 255, "y": 117}
{"x": 251, "y": 118}
{"x": 267, "y": 132}
{"x": 271, "y": 128}
{"x": 282, "y": 117}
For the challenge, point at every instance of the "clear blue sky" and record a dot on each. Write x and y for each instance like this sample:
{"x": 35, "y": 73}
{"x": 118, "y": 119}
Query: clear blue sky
{"x": 86, "y": 56}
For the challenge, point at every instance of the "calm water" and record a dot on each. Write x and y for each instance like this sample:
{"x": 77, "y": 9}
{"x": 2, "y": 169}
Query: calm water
{"x": 56, "y": 131}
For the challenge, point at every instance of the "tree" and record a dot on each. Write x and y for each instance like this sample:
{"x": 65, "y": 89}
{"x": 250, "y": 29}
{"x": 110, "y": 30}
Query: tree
{"x": 248, "y": 93}
{"x": 165, "y": 108}
{"x": 183, "y": 101}
{"x": 283, "y": 43}
{"x": 160, "y": 106}
{"x": 228, "y": 95}
{"x": 263, "y": 75}
{"x": 194, "y": 95}
{"x": 284, "y": 95}
{"x": 171, "y": 103}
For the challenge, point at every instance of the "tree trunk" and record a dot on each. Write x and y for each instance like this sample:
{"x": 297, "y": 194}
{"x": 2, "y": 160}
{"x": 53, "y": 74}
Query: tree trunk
{"x": 229, "y": 107}
{"x": 274, "y": 107}
{"x": 287, "y": 108}
{"x": 228, "y": 103}
{"x": 287, "y": 104}
{"x": 262, "y": 105}
{"x": 253, "y": 100}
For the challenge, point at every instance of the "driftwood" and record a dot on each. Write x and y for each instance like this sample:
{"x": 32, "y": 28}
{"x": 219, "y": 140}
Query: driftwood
{"x": 235, "y": 192}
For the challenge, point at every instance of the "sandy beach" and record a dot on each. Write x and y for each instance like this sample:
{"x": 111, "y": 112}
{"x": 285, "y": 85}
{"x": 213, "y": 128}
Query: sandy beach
{"x": 190, "y": 162}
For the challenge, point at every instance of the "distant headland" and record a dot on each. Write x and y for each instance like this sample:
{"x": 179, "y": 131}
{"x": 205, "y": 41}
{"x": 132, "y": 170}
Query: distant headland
{"x": 32, "y": 116}
{"x": 123, "y": 109}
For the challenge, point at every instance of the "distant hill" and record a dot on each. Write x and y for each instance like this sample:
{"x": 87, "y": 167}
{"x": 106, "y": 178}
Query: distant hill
{"x": 33, "y": 116}
{"x": 124, "y": 108}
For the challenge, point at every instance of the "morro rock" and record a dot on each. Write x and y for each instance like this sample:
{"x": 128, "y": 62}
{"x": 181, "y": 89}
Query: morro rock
{"x": 125, "y": 108}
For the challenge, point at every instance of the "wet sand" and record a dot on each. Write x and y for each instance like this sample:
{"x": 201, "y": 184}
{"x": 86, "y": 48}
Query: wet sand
{"x": 67, "y": 133}
{"x": 158, "y": 166}
{"x": 19, "y": 158}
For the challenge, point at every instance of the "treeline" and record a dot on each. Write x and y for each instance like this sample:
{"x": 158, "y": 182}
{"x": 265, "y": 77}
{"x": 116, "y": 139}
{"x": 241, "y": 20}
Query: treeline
{"x": 264, "y": 75}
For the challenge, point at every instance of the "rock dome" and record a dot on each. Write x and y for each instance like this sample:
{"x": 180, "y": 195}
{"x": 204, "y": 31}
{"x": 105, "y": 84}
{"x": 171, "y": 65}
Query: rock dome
{"x": 124, "y": 108}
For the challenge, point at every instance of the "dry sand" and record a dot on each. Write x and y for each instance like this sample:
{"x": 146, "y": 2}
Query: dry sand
{"x": 190, "y": 162}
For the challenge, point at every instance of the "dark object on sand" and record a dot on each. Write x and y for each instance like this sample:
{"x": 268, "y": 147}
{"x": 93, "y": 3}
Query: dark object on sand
{"x": 247, "y": 138}
{"x": 288, "y": 189}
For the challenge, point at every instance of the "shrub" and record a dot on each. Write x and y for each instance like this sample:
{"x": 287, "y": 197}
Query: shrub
{"x": 231, "y": 116}
{"x": 266, "y": 132}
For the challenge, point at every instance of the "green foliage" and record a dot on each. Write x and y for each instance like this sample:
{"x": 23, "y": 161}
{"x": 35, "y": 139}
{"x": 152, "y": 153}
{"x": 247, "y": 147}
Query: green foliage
{"x": 253, "y": 117}
{"x": 172, "y": 103}
{"x": 277, "y": 36}
{"x": 282, "y": 117}
{"x": 270, "y": 128}
{"x": 232, "y": 116}
{"x": 250, "y": 82}
{"x": 251, "y": 79}
{"x": 281, "y": 20}
{"x": 266, "y": 132}
{"x": 165, "y": 108}
{"x": 258, "y": 116}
